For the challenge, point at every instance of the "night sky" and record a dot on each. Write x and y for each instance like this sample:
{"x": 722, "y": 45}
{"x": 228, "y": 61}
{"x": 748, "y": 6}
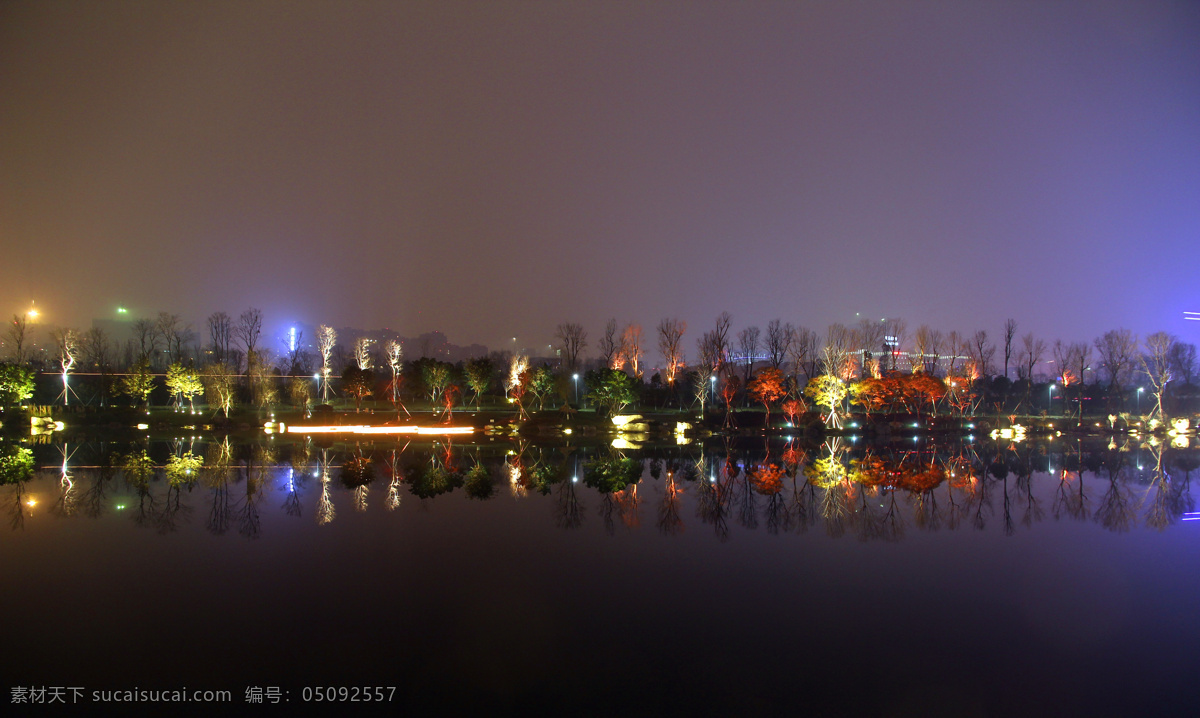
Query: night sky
{"x": 493, "y": 169}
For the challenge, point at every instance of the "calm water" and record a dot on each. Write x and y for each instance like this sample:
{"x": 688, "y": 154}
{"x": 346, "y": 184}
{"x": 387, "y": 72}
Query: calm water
{"x": 908, "y": 580}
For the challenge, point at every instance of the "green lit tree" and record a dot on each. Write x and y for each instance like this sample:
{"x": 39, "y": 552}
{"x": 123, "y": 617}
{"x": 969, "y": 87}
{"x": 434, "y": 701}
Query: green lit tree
{"x": 16, "y": 384}
{"x": 184, "y": 383}
{"x": 611, "y": 389}
{"x": 139, "y": 382}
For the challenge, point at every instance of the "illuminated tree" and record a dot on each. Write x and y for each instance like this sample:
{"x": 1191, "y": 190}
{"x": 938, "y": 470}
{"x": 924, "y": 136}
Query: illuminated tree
{"x": 299, "y": 391}
{"x": 436, "y": 376}
{"x": 670, "y": 334}
{"x": 869, "y": 393}
{"x": 868, "y": 340}
{"x": 829, "y": 391}
{"x": 925, "y": 389}
{"x": 835, "y": 353}
{"x": 362, "y": 353}
{"x": 767, "y": 387}
{"x": 631, "y": 348}
{"x": 449, "y": 398}
{"x": 793, "y": 409}
{"x": 1156, "y": 362}
{"x": 479, "y": 376}
{"x": 729, "y": 392}
{"x": 219, "y": 386}
{"x": 928, "y": 345}
{"x": 184, "y": 384}
{"x": 395, "y": 356}
{"x": 68, "y": 346}
{"x": 357, "y": 383}
{"x": 541, "y": 385}
{"x": 326, "y": 339}
{"x": 139, "y": 382}
{"x": 16, "y": 384}
{"x": 611, "y": 389}
{"x": 572, "y": 340}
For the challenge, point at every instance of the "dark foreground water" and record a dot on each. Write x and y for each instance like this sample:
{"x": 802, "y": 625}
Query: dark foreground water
{"x": 967, "y": 580}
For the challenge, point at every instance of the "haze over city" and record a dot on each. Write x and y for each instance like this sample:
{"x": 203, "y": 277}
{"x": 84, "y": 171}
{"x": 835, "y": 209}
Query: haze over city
{"x": 493, "y": 169}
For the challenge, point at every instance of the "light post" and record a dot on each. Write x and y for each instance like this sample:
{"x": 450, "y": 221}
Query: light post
{"x": 576, "y": 378}
{"x": 1050, "y": 398}
{"x": 1139, "y": 398}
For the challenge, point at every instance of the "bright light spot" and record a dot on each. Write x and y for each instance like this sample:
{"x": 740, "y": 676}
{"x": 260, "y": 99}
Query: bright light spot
{"x": 143, "y": 427}
{"x": 567, "y": 432}
{"x": 122, "y": 310}
{"x": 380, "y": 429}
{"x": 31, "y": 503}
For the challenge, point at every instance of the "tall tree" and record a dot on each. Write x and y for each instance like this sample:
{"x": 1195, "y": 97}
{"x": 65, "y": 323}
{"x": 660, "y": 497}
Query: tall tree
{"x": 67, "y": 342}
{"x": 1183, "y": 361}
{"x": 748, "y": 349}
{"x": 220, "y": 332}
{"x": 326, "y": 339}
{"x": 670, "y": 335}
{"x": 1032, "y": 351}
{"x": 248, "y": 328}
{"x": 1010, "y": 333}
{"x": 572, "y": 340}
{"x": 146, "y": 333}
{"x": 1117, "y": 351}
{"x": 16, "y": 338}
{"x": 778, "y": 342}
{"x": 1156, "y": 362}
{"x": 981, "y": 352}
{"x": 609, "y": 343}
{"x": 631, "y": 347}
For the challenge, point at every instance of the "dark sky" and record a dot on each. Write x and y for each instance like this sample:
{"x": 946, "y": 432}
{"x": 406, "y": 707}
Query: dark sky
{"x": 492, "y": 169}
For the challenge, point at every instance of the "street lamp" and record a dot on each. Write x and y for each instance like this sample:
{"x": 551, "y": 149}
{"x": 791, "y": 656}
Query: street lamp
{"x": 1050, "y": 399}
{"x": 1139, "y": 398}
{"x": 576, "y": 378}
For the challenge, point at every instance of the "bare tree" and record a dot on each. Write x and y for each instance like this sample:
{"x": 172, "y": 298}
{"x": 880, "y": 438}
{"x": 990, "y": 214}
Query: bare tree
{"x": 573, "y": 340}
{"x": 631, "y": 347}
{"x": 929, "y": 348}
{"x": 868, "y": 339}
{"x": 248, "y": 328}
{"x": 16, "y": 337}
{"x": 97, "y": 354}
{"x": 835, "y": 354}
{"x": 805, "y": 353}
{"x": 67, "y": 342}
{"x": 1032, "y": 351}
{"x": 146, "y": 334}
{"x": 1156, "y": 362}
{"x": 220, "y": 332}
{"x": 326, "y": 339}
{"x": 955, "y": 347}
{"x": 609, "y": 343}
{"x": 1183, "y": 361}
{"x": 670, "y": 334}
{"x": 720, "y": 337}
{"x": 1117, "y": 351}
{"x": 779, "y": 342}
{"x": 981, "y": 352}
{"x": 362, "y": 353}
{"x": 895, "y": 334}
{"x": 1010, "y": 332}
{"x": 748, "y": 348}
{"x": 169, "y": 328}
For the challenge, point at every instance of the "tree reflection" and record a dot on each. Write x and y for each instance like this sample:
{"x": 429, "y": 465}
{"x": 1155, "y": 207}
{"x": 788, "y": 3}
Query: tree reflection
{"x": 670, "y": 522}
{"x": 568, "y": 509}
{"x": 325, "y": 509}
{"x": 218, "y": 463}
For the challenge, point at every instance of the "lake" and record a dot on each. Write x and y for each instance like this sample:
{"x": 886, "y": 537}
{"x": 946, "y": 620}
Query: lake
{"x": 979, "y": 578}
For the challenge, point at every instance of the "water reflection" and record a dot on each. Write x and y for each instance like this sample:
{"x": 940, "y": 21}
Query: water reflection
{"x": 874, "y": 493}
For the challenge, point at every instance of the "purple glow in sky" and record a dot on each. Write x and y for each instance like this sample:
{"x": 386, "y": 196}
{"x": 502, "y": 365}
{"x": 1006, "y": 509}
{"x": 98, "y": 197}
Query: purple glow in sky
{"x": 492, "y": 169}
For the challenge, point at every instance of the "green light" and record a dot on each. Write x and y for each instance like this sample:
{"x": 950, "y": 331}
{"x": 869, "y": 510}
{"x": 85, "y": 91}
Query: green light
{"x": 122, "y": 310}
{"x": 120, "y": 506}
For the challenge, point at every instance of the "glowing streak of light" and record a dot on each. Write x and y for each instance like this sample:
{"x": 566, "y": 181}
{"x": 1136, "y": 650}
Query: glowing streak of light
{"x": 360, "y": 429}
